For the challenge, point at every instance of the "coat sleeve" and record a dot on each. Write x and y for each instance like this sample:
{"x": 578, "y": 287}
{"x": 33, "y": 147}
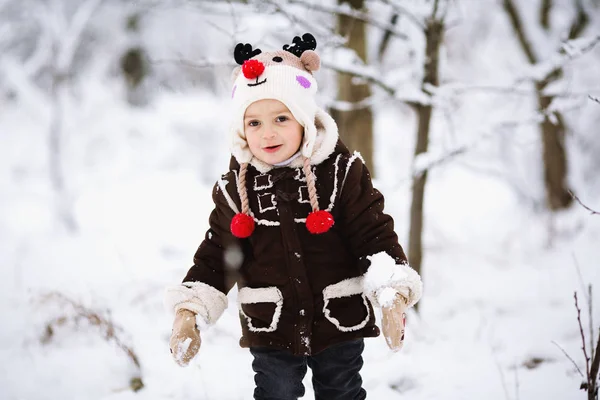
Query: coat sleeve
{"x": 216, "y": 262}
{"x": 371, "y": 237}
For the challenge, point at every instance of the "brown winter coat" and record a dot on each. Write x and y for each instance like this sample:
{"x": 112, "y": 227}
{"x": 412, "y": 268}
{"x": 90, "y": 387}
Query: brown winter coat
{"x": 299, "y": 291}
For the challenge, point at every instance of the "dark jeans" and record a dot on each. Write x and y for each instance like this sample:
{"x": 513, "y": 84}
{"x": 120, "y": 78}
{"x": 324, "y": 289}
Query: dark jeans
{"x": 335, "y": 371}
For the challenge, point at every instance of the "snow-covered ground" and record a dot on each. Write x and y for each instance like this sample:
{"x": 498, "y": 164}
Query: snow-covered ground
{"x": 499, "y": 273}
{"x": 498, "y": 284}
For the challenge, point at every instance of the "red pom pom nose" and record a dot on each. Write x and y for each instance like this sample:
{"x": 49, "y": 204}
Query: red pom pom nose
{"x": 252, "y": 69}
{"x": 242, "y": 225}
{"x": 319, "y": 221}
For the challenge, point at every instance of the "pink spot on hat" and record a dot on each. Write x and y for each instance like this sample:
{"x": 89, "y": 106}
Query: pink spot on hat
{"x": 233, "y": 91}
{"x": 305, "y": 83}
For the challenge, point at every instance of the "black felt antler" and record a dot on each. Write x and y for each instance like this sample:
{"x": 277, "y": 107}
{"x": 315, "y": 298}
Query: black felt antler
{"x": 244, "y": 52}
{"x": 299, "y": 46}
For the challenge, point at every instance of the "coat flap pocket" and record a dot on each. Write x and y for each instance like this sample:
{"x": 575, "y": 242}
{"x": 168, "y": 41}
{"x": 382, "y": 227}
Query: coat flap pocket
{"x": 261, "y": 307}
{"x": 345, "y": 305}
{"x": 345, "y": 288}
{"x": 270, "y": 294}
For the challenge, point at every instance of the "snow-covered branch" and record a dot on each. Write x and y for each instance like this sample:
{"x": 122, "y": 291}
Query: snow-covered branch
{"x": 368, "y": 102}
{"x": 198, "y": 64}
{"x": 347, "y": 11}
{"x": 593, "y": 98}
{"x": 73, "y": 34}
{"x": 404, "y": 11}
{"x": 367, "y": 73}
{"x": 569, "y": 51}
{"x": 346, "y": 65}
{"x": 426, "y": 161}
{"x": 317, "y": 29}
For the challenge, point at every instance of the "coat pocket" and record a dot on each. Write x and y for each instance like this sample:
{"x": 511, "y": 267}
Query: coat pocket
{"x": 346, "y": 305}
{"x": 261, "y": 307}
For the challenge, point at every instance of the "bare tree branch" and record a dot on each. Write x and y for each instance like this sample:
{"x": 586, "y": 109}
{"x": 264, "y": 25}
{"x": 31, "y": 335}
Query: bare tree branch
{"x": 587, "y": 359}
{"x": 583, "y": 205}
{"x": 580, "y": 22}
{"x": 593, "y": 98}
{"x": 590, "y": 318}
{"x": 385, "y": 40}
{"x": 517, "y": 24}
{"x": 569, "y": 357}
{"x": 403, "y": 11}
{"x": 545, "y": 14}
{"x": 436, "y": 5}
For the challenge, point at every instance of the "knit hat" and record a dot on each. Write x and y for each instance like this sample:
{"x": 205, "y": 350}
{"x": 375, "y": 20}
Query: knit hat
{"x": 284, "y": 75}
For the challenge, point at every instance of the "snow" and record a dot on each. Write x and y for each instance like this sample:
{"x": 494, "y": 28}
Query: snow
{"x": 182, "y": 347}
{"x": 499, "y": 271}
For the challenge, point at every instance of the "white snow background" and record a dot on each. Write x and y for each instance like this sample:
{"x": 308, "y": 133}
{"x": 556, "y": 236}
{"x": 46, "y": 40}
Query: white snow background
{"x": 499, "y": 271}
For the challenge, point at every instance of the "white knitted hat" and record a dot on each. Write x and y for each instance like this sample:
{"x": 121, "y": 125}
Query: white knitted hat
{"x": 284, "y": 75}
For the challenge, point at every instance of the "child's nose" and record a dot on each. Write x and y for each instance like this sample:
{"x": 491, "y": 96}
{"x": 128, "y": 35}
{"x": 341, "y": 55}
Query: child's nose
{"x": 268, "y": 132}
{"x": 252, "y": 69}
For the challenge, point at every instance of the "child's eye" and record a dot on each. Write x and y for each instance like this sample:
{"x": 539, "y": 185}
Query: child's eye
{"x": 253, "y": 123}
{"x": 282, "y": 118}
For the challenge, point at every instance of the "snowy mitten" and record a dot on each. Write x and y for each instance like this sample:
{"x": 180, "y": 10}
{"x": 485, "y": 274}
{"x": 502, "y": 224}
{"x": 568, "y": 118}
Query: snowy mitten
{"x": 394, "y": 322}
{"x": 185, "y": 337}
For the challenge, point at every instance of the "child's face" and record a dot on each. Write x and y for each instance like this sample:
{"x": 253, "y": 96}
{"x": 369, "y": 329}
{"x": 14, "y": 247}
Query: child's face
{"x": 272, "y": 132}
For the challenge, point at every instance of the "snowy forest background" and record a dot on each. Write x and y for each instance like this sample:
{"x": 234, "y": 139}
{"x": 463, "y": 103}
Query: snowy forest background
{"x": 479, "y": 119}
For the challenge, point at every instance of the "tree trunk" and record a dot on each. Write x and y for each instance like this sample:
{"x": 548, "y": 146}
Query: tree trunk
{"x": 554, "y": 155}
{"x": 134, "y": 64}
{"x": 553, "y": 134}
{"x": 355, "y": 127}
{"x": 433, "y": 35}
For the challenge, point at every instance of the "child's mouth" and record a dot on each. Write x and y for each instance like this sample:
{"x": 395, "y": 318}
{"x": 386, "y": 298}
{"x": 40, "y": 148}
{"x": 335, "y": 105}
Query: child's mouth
{"x": 271, "y": 149}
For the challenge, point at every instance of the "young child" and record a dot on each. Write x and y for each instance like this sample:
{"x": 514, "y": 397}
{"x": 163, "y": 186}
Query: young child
{"x": 299, "y": 227}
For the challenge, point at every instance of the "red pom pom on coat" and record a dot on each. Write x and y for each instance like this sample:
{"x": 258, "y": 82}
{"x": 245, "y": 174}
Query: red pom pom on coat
{"x": 242, "y": 225}
{"x": 252, "y": 69}
{"x": 319, "y": 221}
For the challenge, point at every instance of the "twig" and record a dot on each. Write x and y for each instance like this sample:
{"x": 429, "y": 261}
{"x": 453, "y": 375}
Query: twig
{"x": 502, "y": 377}
{"x": 593, "y": 98}
{"x": 435, "y": 9}
{"x": 591, "y": 321}
{"x": 516, "y": 382}
{"x": 569, "y": 357}
{"x": 402, "y": 10}
{"x": 587, "y": 359}
{"x": 517, "y": 24}
{"x": 96, "y": 319}
{"x": 579, "y": 275}
{"x": 583, "y": 205}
